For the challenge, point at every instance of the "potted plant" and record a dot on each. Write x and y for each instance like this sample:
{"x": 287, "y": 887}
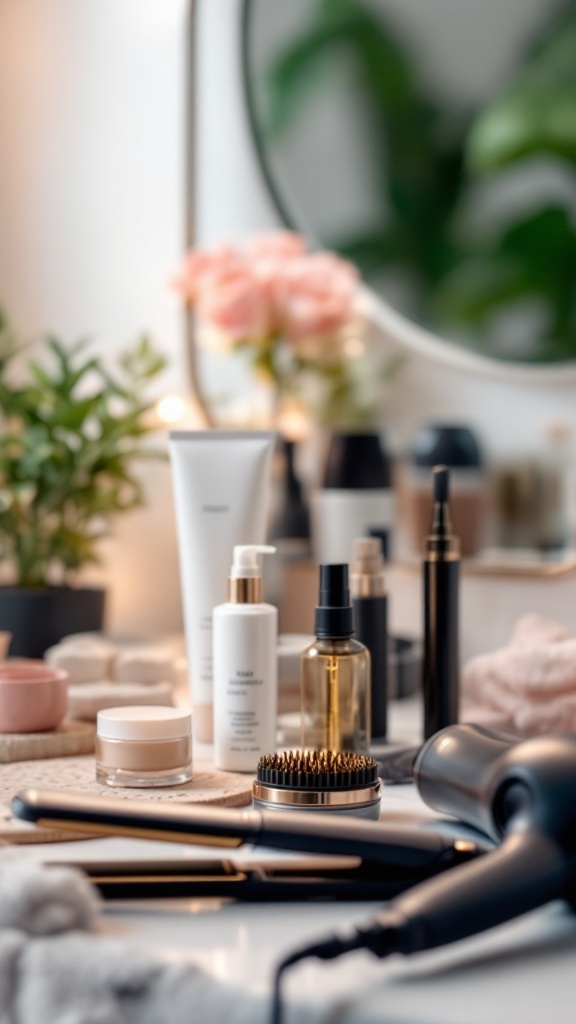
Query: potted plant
{"x": 70, "y": 431}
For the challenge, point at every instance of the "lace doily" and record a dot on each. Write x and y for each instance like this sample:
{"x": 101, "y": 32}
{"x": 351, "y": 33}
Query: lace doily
{"x": 208, "y": 786}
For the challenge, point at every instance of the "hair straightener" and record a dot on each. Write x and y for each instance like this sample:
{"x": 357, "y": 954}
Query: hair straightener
{"x": 387, "y": 858}
{"x": 308, "y": 878}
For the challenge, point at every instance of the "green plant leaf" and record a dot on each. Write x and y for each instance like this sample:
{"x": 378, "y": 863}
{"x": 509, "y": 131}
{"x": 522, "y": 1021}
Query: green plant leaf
{"x": 533, "y": 259}
{"x": 417, "y": 148}
{"x": 71, "y": 436}
{"x": 536, "y": 114}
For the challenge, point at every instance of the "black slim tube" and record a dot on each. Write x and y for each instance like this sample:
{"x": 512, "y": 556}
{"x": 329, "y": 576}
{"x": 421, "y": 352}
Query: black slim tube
{"x": 371, "y": 622}
{"x": 441, "y": 674}
{"x": 368, "y": 585}
{"x": 441, "y": 657}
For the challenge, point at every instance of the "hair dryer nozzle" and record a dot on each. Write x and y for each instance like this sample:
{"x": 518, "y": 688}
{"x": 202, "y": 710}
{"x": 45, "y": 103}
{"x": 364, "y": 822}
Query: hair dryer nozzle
{"x": 488, "y": 779}
{"x": 455, "y": 770}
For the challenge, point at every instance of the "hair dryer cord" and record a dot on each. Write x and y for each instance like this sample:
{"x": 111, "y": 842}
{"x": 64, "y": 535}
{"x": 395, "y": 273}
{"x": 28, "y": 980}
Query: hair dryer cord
{"x": 380, "y": 938}
{"x": 527, "y": 871}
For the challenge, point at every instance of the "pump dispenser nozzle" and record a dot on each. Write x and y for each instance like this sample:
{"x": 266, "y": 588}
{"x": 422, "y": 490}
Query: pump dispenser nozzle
{"x": 246, "y": 561}
{"x": 245, "y": 580}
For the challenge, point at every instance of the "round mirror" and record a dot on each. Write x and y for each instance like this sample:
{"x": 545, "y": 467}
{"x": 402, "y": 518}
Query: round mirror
{"x": 433, "y": 142}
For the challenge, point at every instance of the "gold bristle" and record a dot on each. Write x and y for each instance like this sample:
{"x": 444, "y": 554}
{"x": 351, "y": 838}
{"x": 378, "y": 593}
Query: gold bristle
{"x": 315, "y": 761}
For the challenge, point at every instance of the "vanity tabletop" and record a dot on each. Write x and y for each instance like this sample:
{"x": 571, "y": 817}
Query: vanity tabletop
{"x": 520, "y": 973}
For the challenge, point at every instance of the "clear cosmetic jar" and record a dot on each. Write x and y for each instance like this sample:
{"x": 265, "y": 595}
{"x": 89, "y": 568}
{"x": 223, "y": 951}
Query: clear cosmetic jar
{"x": 143, "y": 746}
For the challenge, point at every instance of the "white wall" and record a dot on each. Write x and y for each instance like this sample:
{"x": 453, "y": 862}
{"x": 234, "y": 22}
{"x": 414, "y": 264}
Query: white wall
{"x": 92, "y": 221}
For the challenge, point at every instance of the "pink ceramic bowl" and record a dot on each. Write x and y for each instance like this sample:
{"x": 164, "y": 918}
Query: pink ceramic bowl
{"x": 33, "y": 696}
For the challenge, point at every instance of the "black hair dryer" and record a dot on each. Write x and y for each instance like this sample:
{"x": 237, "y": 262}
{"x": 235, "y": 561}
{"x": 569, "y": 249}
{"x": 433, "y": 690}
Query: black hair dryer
{"x": 523, "y": 795}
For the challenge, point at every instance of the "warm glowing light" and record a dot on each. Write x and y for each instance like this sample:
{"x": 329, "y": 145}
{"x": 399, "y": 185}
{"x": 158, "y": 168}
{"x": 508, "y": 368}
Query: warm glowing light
{"x": 354, "y": 348}
{"x": 171, "y": 408}
{"x": 293, "y": 422}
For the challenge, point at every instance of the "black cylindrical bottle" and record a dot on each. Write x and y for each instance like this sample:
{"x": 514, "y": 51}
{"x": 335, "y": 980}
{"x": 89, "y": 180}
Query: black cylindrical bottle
{"x": 441, "y": 678}
{"x": 371, "y": 619}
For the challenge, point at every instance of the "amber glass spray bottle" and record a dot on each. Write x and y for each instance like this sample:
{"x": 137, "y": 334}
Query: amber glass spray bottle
{"x": 335, "y": 673}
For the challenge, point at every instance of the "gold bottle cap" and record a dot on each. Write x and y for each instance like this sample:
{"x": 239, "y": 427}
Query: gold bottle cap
{"x": 367, "y": 578}
{"x": 245, "y": 589}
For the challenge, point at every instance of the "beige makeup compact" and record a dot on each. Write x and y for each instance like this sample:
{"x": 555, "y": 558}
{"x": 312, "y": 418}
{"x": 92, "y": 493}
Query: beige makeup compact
{"x": 143, "y": 746}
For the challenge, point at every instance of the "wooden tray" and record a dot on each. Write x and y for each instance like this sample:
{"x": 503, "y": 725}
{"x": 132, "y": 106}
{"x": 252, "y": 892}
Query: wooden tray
{"x": 68, "y": 740}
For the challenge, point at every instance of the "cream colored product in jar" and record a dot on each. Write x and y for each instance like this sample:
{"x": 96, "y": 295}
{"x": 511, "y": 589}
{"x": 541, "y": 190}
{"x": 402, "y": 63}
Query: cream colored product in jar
{"x": 143, "y": 746}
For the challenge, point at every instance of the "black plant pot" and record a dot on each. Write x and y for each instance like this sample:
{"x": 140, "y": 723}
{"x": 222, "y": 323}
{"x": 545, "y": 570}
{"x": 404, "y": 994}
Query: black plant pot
{"x": 39, "y": 617}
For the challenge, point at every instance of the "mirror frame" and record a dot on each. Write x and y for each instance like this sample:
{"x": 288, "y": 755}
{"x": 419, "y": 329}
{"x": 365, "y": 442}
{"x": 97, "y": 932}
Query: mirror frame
{"x": 392, "y": 324}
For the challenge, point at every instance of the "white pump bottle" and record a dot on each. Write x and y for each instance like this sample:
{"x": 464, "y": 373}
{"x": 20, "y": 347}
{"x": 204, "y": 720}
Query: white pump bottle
{"x": 245, "y": 632}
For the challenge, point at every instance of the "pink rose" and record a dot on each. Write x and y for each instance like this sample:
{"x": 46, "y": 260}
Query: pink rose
{"x": 200, "y": 265}
{"x": 315, "y": 295}
{"x": 268, "y": 256}
{"x": 233, "y": 301}
{"x": 277, "y": 245}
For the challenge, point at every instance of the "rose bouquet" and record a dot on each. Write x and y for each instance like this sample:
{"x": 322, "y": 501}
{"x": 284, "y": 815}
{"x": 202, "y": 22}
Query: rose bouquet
{"x": 295, "y": 314}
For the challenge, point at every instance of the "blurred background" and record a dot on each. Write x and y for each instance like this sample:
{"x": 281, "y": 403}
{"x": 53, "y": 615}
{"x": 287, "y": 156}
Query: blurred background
{"x": 446, "y": 132}
{"x": 432, "y": 142}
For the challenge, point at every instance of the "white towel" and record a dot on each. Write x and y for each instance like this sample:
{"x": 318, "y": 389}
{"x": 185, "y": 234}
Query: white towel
{"x": 527, "y": 687}
{"x": 56, "y": 969}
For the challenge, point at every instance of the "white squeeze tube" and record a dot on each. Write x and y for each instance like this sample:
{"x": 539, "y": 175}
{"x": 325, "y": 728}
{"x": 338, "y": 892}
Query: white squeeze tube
{"x": 221, "y": 482}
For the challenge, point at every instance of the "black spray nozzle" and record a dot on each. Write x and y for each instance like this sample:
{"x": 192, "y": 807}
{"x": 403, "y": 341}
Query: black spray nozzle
{"x": 334, "y": 614}
{"x": 334, "y": 587}
{"x": 441, "y": 483}
{"x": 441, "y": 528}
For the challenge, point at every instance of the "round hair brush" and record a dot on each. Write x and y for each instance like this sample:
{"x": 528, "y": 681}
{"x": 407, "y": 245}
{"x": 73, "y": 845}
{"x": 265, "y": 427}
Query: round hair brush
{"x": 318, "y": 780}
